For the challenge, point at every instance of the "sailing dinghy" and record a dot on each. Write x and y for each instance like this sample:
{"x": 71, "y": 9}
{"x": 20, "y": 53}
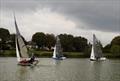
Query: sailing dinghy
{"x": 22, "y": 51}
{"x": 96, "y": 52}
{"x": 57, "y": 54}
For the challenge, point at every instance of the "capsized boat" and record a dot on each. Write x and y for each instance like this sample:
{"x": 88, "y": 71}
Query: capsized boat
{"x": 96, "y": 52}
{"x": 22, "y": 51}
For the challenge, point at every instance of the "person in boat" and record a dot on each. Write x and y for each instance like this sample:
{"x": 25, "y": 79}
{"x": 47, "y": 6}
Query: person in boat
{"x": 32, "y": 59}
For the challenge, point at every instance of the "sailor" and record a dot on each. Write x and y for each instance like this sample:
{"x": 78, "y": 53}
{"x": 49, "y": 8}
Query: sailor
{"x": 32, "y": 59}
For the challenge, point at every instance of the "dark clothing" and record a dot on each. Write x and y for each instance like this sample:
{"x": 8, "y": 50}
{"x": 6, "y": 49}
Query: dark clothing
{"x": 32, "y": 59}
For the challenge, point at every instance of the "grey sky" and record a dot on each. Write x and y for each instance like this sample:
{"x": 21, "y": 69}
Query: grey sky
{"x": 95, "y": 15}
{"x": 99, "y": 14}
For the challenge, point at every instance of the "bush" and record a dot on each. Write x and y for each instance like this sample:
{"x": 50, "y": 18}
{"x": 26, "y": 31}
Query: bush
{"x": 115, "y": 49}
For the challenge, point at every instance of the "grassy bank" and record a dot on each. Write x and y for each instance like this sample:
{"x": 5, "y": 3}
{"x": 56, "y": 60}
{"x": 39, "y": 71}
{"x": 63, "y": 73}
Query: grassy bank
{"x": 12, "y": 53}
{"x": 66, "y": 54}
{"x": 110, "y": 55}
{"x": 8, "y": 53}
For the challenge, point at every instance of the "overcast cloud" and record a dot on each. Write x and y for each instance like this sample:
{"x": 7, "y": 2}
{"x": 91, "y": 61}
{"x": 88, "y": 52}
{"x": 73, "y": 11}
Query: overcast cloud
{"x": 77, "y": 17}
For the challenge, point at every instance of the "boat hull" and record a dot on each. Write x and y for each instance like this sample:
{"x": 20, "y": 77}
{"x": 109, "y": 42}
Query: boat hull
{"x": 28, "y": 64}
{"x": 100, "y": 59}
{"x": 61, "y": 58}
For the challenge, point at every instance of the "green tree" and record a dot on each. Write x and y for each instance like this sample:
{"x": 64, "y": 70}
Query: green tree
{"x": 115, "y": 45}
{"x": 12, "y": 40}
{"x": 87, "y": 49}
{"x": 4, "y": 34}
{"x": 116, "y": 41}
{"x": 80, "y": 44}
{"x": 50, "y": 40}
{"x": 39, "y": 39}
{"x": 115, "y": 49}
{"x": 66, "y": 42}
{"x": 0, "y": 45}
{"x": 107, "y": 48}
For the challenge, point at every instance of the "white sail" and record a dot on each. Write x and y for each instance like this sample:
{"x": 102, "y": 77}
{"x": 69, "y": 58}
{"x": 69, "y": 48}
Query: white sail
{"x": 21, "y": 49}
{"x": 17, "y": 52}
{"x": 92, "y": 53}
{"x": 54, "y": 53}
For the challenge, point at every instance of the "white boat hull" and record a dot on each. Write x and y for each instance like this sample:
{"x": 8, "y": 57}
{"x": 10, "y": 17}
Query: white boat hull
{"x": 103, "y": 58}
{"x": 61, "y": 58}
{"x": 100, "y": 59}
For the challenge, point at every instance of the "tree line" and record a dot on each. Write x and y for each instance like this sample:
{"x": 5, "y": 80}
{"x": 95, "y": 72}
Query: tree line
{"x": 113, "y": 47}
{"x": 69, "y": 43}
{"x": 41, "y": 40}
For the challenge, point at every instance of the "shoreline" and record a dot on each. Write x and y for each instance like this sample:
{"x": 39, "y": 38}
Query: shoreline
{"x": 48, "y": 54}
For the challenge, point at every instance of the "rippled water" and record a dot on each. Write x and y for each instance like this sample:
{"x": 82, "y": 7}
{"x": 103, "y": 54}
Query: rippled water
{"x": 66, "y": 70}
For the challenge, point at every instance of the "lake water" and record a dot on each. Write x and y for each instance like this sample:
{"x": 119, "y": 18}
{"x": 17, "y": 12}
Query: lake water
{"x": 66, "y": 70}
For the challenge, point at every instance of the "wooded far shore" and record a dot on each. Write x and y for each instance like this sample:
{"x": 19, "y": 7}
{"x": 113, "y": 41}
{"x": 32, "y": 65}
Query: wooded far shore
{"x": 48, "y": 54}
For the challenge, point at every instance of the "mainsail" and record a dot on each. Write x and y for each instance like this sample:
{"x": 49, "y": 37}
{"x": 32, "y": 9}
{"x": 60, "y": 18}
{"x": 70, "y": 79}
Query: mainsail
{"x": 21, "y": 49}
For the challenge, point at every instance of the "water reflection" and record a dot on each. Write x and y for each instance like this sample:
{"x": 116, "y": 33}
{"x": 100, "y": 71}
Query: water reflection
{"x": 95, "y": 70}
{"x": 22, "y": 73}
{"x": 57, "y": 62}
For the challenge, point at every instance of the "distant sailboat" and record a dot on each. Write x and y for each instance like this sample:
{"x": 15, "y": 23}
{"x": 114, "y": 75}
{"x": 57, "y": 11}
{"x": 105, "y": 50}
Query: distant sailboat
{"x": 21, "y": 49}
{"x": 96, "y": 52}
{"x": 57, "y": 54}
